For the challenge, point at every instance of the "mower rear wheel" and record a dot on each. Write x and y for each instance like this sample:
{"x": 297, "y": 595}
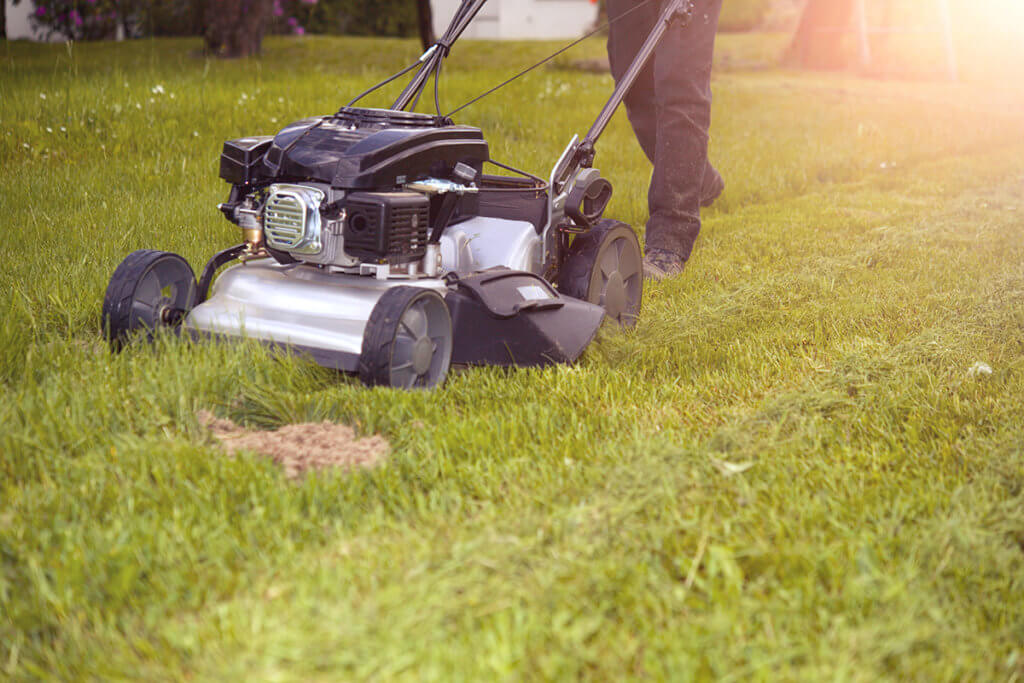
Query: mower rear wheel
{"x": 408, "y": 340}
{"x": 149, "y": 290}
{"x": 605, "y": 266}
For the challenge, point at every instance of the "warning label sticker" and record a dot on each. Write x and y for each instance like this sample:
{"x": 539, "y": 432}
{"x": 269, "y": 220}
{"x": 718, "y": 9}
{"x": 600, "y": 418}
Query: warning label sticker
{"x": 534, "y": 293}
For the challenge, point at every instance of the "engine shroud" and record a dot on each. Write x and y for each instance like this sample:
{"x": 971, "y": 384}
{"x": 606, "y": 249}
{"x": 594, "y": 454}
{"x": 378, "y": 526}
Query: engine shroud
{"x": 356, "y": 149}
{"x": 331, "y": 188}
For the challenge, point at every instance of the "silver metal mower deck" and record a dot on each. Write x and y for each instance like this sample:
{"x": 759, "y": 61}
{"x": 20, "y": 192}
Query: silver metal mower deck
{"x": 324, "y": 314}
{"x": 297, "y": 306}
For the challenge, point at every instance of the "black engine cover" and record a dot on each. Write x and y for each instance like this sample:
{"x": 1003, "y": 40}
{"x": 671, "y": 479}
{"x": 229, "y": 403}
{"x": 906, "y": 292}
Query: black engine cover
{"x": 368, "y": 149}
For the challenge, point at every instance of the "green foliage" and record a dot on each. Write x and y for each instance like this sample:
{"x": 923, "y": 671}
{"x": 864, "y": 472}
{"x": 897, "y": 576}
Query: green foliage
{"x": 77, "y": 19}
{"x": 786, "y": 471}
{"x": 354, "y": 17}
{"x": 85, "y": 20}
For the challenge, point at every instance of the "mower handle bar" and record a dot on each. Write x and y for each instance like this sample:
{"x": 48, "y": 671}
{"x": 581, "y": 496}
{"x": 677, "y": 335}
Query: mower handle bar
{"x": 583, "y": 154}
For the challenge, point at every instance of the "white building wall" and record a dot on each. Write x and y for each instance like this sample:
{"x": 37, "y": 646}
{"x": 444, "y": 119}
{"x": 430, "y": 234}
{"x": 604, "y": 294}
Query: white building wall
{"x": 19, "y": 26}
{"x": 546, "y": 19}
{"x": 522, "y": 19}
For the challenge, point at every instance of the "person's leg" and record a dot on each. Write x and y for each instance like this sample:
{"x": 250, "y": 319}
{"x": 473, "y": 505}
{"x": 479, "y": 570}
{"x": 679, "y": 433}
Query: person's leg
{"x": 626, "y": 35}
{"x": 682, "y": 76}
{"x": 712, "y": 186}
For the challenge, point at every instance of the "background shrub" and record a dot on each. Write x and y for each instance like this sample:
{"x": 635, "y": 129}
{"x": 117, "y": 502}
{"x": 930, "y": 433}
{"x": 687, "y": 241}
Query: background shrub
{"x": 77, "y": 19}
{"x": 99, "y": 19}
{"x": 355, "y": 17}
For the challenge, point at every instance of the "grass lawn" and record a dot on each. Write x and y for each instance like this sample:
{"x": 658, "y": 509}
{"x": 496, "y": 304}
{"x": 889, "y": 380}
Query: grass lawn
{"x": 785, "y": 471}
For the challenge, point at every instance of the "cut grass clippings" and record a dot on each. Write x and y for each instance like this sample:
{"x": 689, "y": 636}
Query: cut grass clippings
{"x": 299, "y": 448}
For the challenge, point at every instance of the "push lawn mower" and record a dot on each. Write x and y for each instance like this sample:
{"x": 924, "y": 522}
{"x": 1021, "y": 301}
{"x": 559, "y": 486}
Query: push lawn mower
{"x": 374, "y": 242}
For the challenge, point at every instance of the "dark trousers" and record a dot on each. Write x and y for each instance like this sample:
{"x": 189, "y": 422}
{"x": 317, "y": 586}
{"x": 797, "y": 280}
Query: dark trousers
{"x": 669, "y": 107}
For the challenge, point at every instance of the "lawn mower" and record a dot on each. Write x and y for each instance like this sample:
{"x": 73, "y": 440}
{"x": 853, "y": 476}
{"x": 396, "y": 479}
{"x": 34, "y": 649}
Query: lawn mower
{"x": 374, "y": 242}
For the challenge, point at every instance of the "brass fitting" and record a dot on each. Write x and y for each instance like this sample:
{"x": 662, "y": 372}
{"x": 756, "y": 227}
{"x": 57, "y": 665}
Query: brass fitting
{"x": 253, "y": 238}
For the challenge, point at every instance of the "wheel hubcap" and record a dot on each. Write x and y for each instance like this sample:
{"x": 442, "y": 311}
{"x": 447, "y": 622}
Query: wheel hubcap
{"x": 163, "y": 295}
{"x": 422, "y": 345}
{"x": 422, "y": 352}
{"x": 615, "y": 296}
{"x": 617, "y": 280}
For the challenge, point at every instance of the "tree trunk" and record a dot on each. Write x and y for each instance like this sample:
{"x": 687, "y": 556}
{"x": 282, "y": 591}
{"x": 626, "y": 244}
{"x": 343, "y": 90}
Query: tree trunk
{"x": 820, "y": 41}
{"x": 425, "y": 21}
{"x": 234, "y": 28}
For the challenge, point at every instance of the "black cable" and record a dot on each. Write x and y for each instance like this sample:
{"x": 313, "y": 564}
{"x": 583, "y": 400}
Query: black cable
{"x": 549, "y": 58}
{"x": 437, "y": 79}
{"x": 384, "y": 82}
{"x": 438, "y": 52}
{"x": 459, "y": 13}
{"x": 412, "y": 107}
{"x": 436, "y": 71}
{"x": 542, "y": 185}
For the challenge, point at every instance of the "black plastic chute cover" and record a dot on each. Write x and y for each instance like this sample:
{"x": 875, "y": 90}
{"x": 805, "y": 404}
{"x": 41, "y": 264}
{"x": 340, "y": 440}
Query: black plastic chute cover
{"x": 505, "y": 317}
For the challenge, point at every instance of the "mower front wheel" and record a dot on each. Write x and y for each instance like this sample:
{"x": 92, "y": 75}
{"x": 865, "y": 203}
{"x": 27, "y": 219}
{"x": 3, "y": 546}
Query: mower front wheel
{"x": 149, "y": 290}
{"x": 408, "y": 340}
{"x": 605, "y": 266}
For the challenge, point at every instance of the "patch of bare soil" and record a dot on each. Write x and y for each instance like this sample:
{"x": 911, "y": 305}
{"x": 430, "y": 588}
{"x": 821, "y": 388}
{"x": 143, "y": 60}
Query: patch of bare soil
{"x": 299, "y": 448}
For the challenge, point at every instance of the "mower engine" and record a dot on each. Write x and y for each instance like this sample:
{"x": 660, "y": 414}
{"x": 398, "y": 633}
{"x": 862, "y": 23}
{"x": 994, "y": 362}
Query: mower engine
{"x": 374, "y": 228}
{"x": 355, "y": 192}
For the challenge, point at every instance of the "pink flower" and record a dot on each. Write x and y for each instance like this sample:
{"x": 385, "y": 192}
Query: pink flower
{"x": 75, "y": 17}
{"x": 293, "y": 22}
{"x": 299, "y": 31}
{"x": 278, "y": 10}
{"x": 40, "y": 11}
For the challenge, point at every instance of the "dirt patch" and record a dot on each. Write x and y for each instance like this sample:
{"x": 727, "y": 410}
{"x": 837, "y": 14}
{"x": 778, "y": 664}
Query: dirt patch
{"x": 299, "y": 448}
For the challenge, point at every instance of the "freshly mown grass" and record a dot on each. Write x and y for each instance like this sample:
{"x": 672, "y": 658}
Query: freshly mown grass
{"x": 785, "y": 471}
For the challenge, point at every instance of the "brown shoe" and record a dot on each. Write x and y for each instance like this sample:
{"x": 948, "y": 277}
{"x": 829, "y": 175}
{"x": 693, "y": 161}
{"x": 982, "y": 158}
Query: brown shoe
{"x": 661, "y": 263}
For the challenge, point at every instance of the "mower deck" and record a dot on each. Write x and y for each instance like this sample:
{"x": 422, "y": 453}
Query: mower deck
{"x": 297, "y": 306}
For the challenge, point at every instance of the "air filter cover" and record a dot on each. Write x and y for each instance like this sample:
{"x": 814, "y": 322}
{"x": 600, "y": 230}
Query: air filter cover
{"x": 386, "y": 226}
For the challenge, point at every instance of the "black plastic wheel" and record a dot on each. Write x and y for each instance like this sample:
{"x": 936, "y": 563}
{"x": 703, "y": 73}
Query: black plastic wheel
{"x": 408, "y": 340}
{"x": 604, "y": 266}
{"x": 149, "y": 290}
